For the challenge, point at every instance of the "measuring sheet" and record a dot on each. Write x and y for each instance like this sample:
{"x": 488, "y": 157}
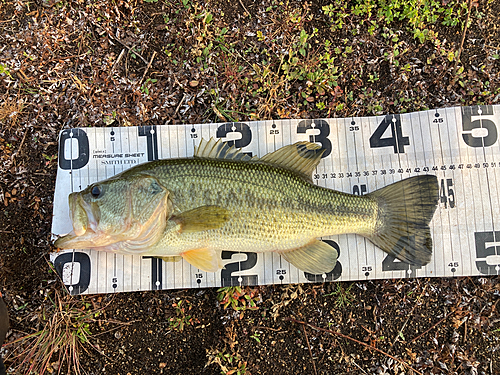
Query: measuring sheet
{"x": 459, "y": 145}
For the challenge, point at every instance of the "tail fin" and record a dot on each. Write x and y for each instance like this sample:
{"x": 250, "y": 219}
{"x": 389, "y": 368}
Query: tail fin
{"x": 405, "y": 210}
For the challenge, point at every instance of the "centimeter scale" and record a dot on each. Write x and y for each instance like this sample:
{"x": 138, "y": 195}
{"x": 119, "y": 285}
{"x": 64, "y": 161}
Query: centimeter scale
{"x": 459, "y": 145}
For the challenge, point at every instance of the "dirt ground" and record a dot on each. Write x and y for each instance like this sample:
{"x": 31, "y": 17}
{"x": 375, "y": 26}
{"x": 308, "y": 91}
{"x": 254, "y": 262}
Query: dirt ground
{"x": 76, "y": 63}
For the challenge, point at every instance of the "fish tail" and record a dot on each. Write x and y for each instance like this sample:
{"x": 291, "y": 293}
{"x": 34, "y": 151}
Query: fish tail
{"x": 405, "y": 210}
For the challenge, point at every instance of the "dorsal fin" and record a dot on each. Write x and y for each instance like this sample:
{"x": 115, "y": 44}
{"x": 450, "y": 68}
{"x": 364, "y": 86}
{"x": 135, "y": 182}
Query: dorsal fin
{"x": 301, "y": 157}
{"x": 219, "y": 150}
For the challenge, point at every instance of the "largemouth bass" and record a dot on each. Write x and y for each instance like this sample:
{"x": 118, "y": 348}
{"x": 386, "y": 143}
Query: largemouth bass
{"x": 221, "y": 199}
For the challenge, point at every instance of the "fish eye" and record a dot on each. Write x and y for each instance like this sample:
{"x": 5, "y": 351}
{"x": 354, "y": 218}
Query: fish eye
{"x": 96, "y": 191}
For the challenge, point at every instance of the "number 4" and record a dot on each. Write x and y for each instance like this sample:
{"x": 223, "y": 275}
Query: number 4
{"x": 397, "y": 140}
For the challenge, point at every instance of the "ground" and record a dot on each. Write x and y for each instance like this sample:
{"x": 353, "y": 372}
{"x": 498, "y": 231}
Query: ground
{"x": 76, "y": 63}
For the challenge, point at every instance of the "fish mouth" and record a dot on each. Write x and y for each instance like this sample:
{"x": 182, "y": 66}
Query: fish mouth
{"x": 84, "y": 233}
{"x": 82, "y": 215}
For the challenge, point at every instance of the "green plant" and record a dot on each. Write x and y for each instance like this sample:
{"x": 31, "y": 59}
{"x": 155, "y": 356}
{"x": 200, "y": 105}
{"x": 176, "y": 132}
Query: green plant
{"x": 239, "y": 299}
{"x": 5, "y": 70}
{"x": 256, "y": 336}
{"x": 418, "y": 15}
{"x": 373, "y": 77}
{"x": 219, "y": 107}
{"x": 182, "y": 317}
{"x": 344, "y": 296}
{"x": 49, "y": 158}
{"x": 229, "y": 363}
{"x": 146, "y": 84}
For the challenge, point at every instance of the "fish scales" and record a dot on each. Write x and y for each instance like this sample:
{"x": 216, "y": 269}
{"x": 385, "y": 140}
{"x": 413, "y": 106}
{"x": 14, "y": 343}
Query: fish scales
{"x": 271, "y": 208}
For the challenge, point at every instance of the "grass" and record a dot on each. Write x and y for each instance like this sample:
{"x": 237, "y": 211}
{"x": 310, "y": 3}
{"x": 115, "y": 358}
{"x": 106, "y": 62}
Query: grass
{"x": 57, "y": 346}
{"x": 344, "y": 296}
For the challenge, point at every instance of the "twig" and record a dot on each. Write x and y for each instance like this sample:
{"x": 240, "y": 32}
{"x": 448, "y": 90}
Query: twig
{"x": 356, "y": 341}
{"x": 130, "y": 49}
{"x": 117, "y": 61}
{"x": 465, "y": 332}
{"x": 461, "y": 43}
{"x": 269, "y": 328}
{"x": 180, "y": 103}
{"x": 435, "y": 325}
{"x": 354, "y": 363}
{"x": 20, "y": 146}
{"x": 246, "y": 10}
{"x": 147, "y": 68}
{"x": 310, "y": 351}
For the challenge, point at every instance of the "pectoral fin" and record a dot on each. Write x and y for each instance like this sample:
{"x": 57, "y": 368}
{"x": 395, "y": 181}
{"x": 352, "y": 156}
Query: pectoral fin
{"x": 317, "y": 257}
{"x": 201, "y": 218}
{"x": 204, "y": 259}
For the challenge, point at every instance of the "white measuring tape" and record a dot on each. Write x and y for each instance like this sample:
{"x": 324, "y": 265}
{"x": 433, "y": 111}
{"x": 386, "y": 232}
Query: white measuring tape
{"x": 459, "y": 145}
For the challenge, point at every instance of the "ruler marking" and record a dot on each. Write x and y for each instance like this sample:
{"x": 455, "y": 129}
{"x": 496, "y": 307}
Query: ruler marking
{"x": 353, "y": 140}
{"x": 426, "y": 134}
{"x": 486, "y": 172}
{"x": 349, "y": 184}
{"x": 447, "y": 215}
{"x": 365, "y": 242}
{"x": 366, "y": 123}
{"x": 487, "y": 180}
{"x": 281, "y": 144}
{"x": 462, "y": 160}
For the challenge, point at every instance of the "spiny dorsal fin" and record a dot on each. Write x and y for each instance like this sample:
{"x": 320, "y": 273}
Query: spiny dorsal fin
{"x": 219, "y": 150}
{"x": 301, "y": 157}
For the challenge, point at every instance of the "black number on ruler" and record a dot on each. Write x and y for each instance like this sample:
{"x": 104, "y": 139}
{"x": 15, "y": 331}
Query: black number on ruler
{"x": 83, "y": 149}
{"x": 227, "y": 279}
{"x": 151, "y": 135}
{"x": 396, "y": 140}
{"x": 359, "y": 189}
{"x": 239, "y": 127}
{"x": 156, "y": 273}
{"x": 390, "y": 263}
{"x": 469, "y": 124}
{"x": 492, "y": 252}
{"x": 332, "y": 275}
{"x": 70, "y": 258}
{"x": 193, "y": 133}
{"x": 322, "y": 137}
{"x": 446, "y": 194}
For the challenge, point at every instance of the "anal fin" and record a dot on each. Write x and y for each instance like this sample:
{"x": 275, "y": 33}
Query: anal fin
{"x": 205, "y": 259}
{"x": 316, "y": 257}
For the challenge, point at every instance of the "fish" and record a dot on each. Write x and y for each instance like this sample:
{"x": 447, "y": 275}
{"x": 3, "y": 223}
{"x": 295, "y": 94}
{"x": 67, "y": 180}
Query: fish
{"x": 221, "y": 199}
